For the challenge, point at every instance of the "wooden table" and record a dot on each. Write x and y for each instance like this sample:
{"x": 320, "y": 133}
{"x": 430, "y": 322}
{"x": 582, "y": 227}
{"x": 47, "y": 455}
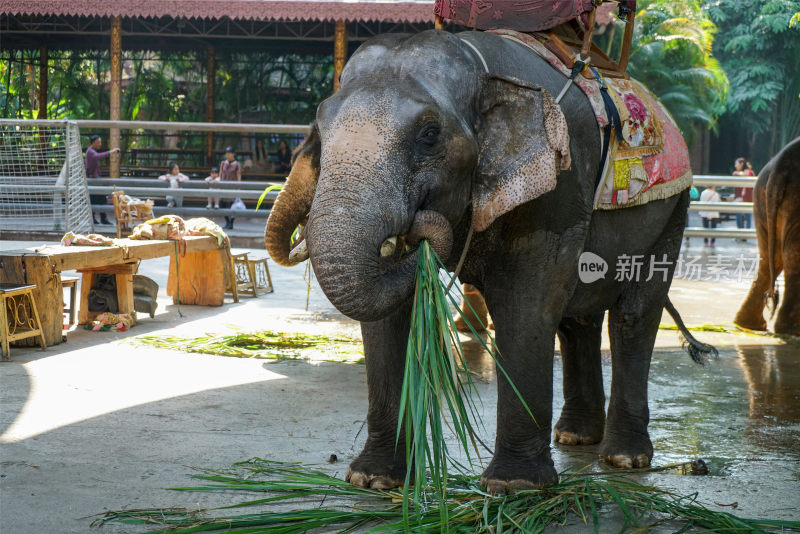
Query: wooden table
{"x": 201, "y": 269}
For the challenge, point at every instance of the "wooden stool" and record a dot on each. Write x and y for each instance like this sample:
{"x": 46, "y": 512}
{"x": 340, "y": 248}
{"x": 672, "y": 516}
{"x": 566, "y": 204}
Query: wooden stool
{"x": 242, "y": 283}
{"x": 19, "y": 318}
{"x": 72, "y": 283}
{"x": 259, "y": 273}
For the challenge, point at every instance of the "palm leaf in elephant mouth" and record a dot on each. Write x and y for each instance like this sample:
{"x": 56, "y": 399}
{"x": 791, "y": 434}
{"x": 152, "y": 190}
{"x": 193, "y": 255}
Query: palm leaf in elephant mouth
{"x": 437, "y": 392}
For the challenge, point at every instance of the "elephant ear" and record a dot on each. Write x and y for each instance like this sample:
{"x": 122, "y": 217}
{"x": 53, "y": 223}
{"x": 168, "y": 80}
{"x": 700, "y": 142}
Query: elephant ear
{"x": 523, "y": 145}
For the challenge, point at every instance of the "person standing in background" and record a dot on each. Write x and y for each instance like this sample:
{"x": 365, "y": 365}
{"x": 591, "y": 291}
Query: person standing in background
{"x": 743, "y": 194}
{"x": 92, "y": 164}
{"x": 284, "y": 158}
{"x": 230, "y": 170}
{"x": 710, "y": 218}
{"x": 261, "y": 161}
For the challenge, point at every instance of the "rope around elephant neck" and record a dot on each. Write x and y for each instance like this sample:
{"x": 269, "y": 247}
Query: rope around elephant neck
{"x": 461, "y": 259}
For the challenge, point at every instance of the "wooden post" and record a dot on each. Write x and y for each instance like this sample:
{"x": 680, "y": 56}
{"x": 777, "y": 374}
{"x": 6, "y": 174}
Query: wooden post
{"x": 586, "y": 47}
{"x": 43, "y": 64}
{"x": 339, "y": 52}
{"x": 116, "y": 91}
{"x": 627, "y": 37}
{"x": 211, "y": 74}
{"x": 201, "y": 277}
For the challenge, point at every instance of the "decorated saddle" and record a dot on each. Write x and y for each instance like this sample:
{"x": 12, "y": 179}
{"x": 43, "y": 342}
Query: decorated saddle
{"x": 649, "y": 160}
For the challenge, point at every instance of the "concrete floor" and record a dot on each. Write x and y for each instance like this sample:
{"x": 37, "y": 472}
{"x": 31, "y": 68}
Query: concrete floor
{"x": 99, "y": 423}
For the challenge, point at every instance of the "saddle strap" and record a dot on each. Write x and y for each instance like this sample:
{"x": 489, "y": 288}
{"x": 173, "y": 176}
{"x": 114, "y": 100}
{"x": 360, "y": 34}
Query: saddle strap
{"x": 614, "y": 125}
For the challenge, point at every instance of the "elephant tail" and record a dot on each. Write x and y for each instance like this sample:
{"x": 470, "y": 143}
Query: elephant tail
{"x": 698, "y": 350}
{"x": 775, "y": 188}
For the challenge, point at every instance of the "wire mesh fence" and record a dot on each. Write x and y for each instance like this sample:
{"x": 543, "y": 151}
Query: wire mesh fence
{"x": 42, "y": 179}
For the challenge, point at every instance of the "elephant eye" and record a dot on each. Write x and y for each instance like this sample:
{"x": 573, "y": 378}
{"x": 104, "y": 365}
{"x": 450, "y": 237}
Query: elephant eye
{"x": 429, "y": 135}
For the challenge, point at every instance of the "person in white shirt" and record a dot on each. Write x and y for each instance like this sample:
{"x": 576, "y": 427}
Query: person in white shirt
{"x": 710, "y": 218}
{"x": 175, "y": 177}
{"x": 213, "y": 181}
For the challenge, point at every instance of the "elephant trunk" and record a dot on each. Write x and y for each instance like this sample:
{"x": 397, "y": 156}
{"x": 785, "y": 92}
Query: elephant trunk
{"x": 293, "y": 203}
{"x": 351, "y": 270}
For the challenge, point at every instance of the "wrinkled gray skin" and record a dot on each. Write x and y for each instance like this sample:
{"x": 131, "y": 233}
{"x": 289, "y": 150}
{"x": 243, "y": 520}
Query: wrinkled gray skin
{"x": 403, "y": 137}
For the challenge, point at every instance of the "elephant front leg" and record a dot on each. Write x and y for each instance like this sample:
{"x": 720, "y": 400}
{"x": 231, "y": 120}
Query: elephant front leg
{"x": 525, "y": 341}
{"x": 382, "y": 462}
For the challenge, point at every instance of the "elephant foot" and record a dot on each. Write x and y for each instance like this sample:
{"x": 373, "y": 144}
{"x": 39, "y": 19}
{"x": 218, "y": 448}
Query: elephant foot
{"x": 463, "y": 326}
{"x": 377, "y": 471}
{"x": 474, "y": 310}
{"x": 579, "y": 430}
{"x": 627, "y": 453}
{"x": 751, "y": 323}
{"x": 366, "y": 480}
{"x": 787, "y": 325}
{"x": 626, "y": 461}
{"x": 507, "y": 475}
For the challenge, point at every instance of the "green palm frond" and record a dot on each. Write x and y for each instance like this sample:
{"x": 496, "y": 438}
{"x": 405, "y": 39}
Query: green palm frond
{"x": 289, "y": 498}
{"x": 671, "y": 54}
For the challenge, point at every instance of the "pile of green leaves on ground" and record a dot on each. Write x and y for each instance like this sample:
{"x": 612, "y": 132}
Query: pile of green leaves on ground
{"x": 264, "y": 344}
{"x": 291, "y": 498}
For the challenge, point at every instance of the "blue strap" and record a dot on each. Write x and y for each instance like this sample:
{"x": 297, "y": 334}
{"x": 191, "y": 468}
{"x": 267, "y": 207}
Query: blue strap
{"x": 614, "y": 122}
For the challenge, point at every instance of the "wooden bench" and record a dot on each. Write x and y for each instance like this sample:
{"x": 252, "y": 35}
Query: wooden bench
{"x": 198, "y": 267}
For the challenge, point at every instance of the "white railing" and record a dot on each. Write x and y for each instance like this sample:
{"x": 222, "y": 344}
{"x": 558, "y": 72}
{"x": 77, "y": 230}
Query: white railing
{"x": 163, "y": 125}
{"x": 148, "y": 188}
{"x": 705, "y": 180}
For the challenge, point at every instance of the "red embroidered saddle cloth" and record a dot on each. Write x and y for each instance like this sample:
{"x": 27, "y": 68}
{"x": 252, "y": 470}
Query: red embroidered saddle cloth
{"x": 651, "y": 160}
{"x": 520, "y": 15}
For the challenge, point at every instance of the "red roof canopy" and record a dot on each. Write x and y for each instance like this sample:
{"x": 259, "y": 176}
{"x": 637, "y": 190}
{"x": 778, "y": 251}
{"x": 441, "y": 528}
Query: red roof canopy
{"x": 285, "y": 10}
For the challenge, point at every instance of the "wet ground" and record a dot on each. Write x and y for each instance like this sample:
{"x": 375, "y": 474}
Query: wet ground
{"x": 740, "y": 413}
{"x": 98, "y": 423}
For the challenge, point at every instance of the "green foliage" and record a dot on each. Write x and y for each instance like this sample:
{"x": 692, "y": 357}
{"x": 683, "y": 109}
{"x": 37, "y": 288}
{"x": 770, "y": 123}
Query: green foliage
{"x": 250, "y": 87}
{"x": 759, "y": 45}
{"x": 671, "y": 54}
{"x": 272, "y": 88}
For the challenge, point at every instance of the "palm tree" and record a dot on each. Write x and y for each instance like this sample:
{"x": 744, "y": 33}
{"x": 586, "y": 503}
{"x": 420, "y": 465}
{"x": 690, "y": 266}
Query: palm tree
{"x": 671, "y": 54}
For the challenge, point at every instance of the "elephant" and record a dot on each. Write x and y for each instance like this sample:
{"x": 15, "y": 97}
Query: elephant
{"x": 776, "y": 210}
{"x": 421, "y": 142}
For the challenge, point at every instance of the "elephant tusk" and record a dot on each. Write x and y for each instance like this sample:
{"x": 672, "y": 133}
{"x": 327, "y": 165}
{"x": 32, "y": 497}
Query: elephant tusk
{"x": 388, "y": 247}
{"x": 299, "y": 253}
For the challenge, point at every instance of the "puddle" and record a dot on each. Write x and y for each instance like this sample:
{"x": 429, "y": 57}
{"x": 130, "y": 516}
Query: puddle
{"x": 740, "y": 413}
{"x": 742, "y": 408}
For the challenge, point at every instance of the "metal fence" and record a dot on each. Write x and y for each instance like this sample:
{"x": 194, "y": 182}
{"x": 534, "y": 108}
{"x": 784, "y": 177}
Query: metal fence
{"x": 705, "y": 180}
{"x": 250, "y": 191}
{"x": 145, "y": 188}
